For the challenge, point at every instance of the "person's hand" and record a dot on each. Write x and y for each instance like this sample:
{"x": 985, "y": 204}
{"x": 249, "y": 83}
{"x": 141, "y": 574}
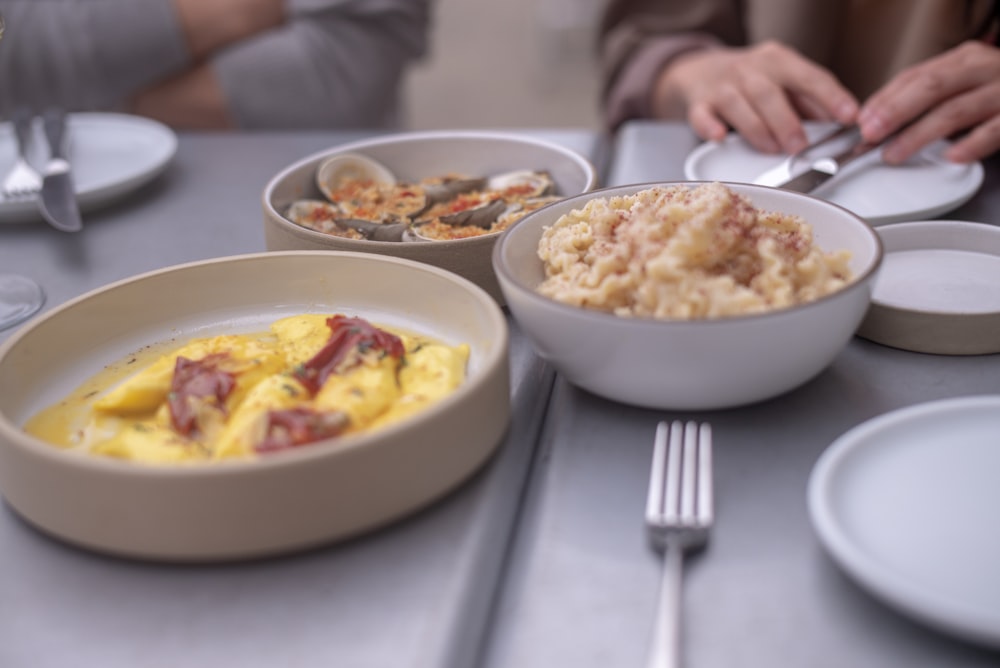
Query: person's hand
{"x": 763, "y": 92}
{"x": 193, "y": 98}
{"x": 958, "y": 91}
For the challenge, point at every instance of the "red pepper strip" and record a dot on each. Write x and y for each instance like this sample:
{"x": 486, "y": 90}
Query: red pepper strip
{"x": 346, "y": 335}
{"x": 196, "y": 378}
{"x": 299, "y": 426}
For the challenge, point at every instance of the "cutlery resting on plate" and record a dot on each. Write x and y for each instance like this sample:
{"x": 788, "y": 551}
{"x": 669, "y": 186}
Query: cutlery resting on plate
{"x": 823, "y": 159}
{"x": 58, "y": 200}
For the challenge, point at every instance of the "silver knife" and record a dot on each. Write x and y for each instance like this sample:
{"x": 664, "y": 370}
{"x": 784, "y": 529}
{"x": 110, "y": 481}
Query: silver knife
{"x": 783, "y": 171}
{"x": 823, "y": 169}
{"x": 58, "y": 199}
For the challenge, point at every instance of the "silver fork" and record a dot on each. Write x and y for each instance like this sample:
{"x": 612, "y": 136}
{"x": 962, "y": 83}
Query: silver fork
{"x": 678, "y": 518}
{"x": 22, "y": 180}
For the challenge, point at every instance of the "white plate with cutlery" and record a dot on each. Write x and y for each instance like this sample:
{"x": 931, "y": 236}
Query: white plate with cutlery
{"x": 906, "y": 503}
{"x": 925, "y": 187}
{"x": 110, "y": 156}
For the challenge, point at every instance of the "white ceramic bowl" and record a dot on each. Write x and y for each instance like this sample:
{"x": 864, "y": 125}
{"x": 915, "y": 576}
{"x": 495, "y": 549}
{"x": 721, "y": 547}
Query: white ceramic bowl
{"x": 937, "y": 291}
{"x": 413, "y": 156}
{"x": 685, "y": 364}
{"x": 282, "y": 501}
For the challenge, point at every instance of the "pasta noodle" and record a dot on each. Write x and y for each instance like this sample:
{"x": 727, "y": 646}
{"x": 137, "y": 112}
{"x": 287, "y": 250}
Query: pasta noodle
{"x": 686, "y": 253}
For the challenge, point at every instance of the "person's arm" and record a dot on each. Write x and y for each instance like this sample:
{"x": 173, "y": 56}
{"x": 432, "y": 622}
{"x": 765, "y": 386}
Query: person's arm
{"x": 640, "y": 38}
{"x": 210, "y": 25}
{"x": 85, "y": 55}
{"x": 194, "y": 98}
{"x": 332, "y": 64}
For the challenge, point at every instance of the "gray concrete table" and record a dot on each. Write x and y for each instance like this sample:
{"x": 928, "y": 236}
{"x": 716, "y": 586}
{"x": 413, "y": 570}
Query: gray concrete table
{"x": 416, "y": 594}
{"x": 582, "y": 584}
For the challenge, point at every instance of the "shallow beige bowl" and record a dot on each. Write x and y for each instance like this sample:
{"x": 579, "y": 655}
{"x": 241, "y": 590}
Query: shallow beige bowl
{"x": 412, "y": 156}
{"x": 692, "y": 364}
{"x": 281, "y": 502}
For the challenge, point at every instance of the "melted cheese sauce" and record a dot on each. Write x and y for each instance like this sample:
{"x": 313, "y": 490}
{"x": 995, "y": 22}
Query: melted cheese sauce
{"x": 127, "y": 414}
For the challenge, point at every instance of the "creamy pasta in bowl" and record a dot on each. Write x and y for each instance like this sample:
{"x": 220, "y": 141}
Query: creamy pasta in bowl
{"x": 689, "y": 295}
{"x": 252, "y": 405}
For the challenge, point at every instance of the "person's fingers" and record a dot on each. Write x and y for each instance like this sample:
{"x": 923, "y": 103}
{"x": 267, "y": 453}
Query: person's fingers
{"x": 900, "y": 102}
{"x": 772, "y": 106}
{"x": 983, "y": 141}
{"x": 705, "y": 123}
{"x": 805, "y": 80}
{"x": 922, "y": 87}
{"x": 808, "y": 108}
{"x": 732, "y": 105}
{"x": 959, "y": 113}
{"x": 756, "y": 91}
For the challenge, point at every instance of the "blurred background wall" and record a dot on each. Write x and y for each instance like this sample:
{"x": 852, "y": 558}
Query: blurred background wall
{"x": 508, "y": 63}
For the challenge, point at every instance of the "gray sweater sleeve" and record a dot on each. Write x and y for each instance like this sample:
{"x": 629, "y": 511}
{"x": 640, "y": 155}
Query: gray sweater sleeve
{"x": 86, "y": 54}
{"x": 335, "y": 63}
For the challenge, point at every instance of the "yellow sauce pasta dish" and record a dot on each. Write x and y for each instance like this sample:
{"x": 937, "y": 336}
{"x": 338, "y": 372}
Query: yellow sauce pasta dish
{"x": 685, "y": 253}
{"x": 310, "y": 378}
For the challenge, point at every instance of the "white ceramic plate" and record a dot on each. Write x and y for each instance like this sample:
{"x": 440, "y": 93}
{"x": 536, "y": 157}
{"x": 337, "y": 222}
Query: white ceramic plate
{"x": 907, "y": 504}
{"x": 111, "y": 155}
{"x": 936, "y": 292}
{"x": 925, "y": 187}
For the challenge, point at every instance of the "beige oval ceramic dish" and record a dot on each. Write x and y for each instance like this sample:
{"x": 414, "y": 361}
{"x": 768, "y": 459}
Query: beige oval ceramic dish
{"x": 937, "y": 291}
{"x": 692, "y": 364}
{"x": 279, "y": 502}
{"x": 411, "y": 157}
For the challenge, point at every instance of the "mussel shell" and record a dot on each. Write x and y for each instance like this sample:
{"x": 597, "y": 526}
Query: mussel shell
{"x": 450, "y": 187}
{"x": 519, "y": 210}
{"x": 511, "y": 195}
{"x": 482, "y": 216}
{"x": 412, "y": 233}
{"x": 436, "y": 231}
{"x": 386, "y": 203}
{"x": 389, "y": 231}
{"x": 306, "y": 211}
{"x": 337, "y": 169}
{"x": 530, "y": 184}
{"x": 319, "y": 216}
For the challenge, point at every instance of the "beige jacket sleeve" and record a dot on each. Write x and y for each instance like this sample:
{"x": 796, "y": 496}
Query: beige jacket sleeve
{"x": 336, "y": 63}
{"x": 862, "y": 42}
{"x": 639, "y": 38}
